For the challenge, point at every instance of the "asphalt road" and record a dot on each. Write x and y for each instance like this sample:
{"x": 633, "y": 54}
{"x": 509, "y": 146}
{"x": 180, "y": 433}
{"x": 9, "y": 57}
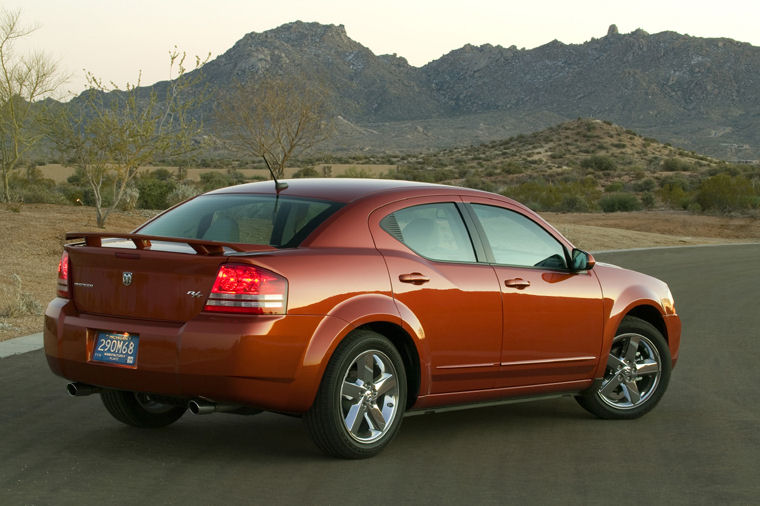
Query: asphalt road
{"x": 701, "y": 445}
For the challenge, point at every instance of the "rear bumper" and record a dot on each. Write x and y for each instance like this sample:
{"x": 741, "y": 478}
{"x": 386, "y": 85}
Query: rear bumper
{"x": 256, "y": 361}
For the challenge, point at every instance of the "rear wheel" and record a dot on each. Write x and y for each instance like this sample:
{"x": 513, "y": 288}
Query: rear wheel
{"x": 361, "y": 399}
{"x": 140, "y": 409}
{"x": 637, "y": 373}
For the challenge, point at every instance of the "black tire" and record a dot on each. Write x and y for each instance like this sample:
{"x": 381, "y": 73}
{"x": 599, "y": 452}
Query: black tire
{"x": 358, "y": 411}
{"x": 637, "y": 374}
{"x": 140, "y": 410}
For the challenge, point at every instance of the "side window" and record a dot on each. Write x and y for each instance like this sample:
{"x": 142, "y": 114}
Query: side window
{"x": 517, "y": 240}
{"x": 434, "y": 231}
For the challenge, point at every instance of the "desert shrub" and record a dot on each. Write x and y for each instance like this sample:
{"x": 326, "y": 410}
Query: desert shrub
{"x": 598, "y": 163}
{"x": 356, "y": 173}
{"x": 724, "y": 193}
{"x": 306, "y": 172}
{"x": 478, "y": 183}
{"x": 648, "y": 200}
{"x": 215, "y": 179}
{"x": 129, "y": 198}
{"x": 72, "y": 194}
{"x": 617, "y": 186}
{"x": 676, "y": 165}
{"x": 153, "y": 191}
{"x": 15, "y": 302}
{"x": 570, "y": 196}
{"x": 675, "y": 196}
{"x": 180, "y": 193}
{"x": 41, "y": 194}
{"x": 645, "y": 185}
{"x": 614, "y": 202}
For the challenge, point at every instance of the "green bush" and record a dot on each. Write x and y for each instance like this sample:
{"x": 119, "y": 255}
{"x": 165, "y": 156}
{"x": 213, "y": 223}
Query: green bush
{"x": 180, "y": 193}
{"x": 675, "y": 196}
{"x": 615, "y": 202}
{"x": 676, "y": 165}
{"x": 153, "y": 192}
{"x": 569, "y": 196}
{"x": 645, "y": 185}
{"x": 726, "y": 193}
{"x": 598, "y": 163}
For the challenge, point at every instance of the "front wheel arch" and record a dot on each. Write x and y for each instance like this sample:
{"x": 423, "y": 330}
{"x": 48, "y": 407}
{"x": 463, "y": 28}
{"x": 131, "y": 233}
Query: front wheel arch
{"x": 636, "y": 375}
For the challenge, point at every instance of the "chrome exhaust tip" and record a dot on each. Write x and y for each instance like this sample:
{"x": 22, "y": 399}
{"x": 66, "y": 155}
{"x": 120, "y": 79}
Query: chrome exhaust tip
{"x": 201, "y": 407}
{"x": 81, "y": 389}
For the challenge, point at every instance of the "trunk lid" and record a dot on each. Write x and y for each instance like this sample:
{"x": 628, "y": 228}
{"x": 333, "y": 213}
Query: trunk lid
{"x": 145, "y": 277}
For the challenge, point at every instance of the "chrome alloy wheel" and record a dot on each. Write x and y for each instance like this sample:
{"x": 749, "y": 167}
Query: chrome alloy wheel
{"x": 369, "y": 396}
{"x": 633, "y": 372}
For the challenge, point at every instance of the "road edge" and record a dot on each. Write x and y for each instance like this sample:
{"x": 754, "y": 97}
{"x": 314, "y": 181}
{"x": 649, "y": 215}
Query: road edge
{"x": 19, "y": 345}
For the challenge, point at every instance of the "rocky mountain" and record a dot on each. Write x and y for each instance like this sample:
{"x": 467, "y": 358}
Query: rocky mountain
{"x": 697, "y": 93}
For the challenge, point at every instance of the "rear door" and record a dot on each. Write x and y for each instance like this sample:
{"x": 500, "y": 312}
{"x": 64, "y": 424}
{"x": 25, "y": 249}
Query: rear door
{"x": 552, "y": 317}
{"x": 434, "y": 272}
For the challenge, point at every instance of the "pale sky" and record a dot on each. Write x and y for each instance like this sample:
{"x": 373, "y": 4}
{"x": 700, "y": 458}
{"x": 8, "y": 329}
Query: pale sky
{"x": 114, "y": 40}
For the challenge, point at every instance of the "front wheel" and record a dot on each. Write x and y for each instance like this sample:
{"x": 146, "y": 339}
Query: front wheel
{"x": 637, "y": 373}
{"x": 140, "y": 409}
{"x": 361, "y": 399}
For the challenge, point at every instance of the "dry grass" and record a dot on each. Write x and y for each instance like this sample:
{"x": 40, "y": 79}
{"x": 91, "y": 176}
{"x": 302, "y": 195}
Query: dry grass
{"x": 32, "y": 241}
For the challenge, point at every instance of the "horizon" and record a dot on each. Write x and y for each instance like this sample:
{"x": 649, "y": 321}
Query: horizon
{"x": 138, "y": 37}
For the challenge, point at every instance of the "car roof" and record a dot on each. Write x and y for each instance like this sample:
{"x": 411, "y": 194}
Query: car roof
{"x": 348, "y": 190}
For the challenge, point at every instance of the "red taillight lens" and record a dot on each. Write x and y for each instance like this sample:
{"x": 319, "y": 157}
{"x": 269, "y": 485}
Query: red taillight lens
{"x": 247, "y": 289}
{"x": 63, "y": 276}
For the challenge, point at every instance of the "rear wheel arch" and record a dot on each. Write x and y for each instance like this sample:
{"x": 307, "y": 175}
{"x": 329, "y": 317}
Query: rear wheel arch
{"x": 404, "y": 343}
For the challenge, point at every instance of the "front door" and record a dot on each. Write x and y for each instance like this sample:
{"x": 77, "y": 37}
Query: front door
{"x": 553, "y": 317}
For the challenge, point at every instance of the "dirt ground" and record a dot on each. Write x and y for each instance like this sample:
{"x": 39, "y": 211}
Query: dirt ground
{"x": 31, "y": 243}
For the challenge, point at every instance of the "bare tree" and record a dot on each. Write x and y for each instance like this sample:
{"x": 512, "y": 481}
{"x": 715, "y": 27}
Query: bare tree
{"x": 23, "y": 80}
{"x": 274, "y": 119}
{"x": 114, "y": 132}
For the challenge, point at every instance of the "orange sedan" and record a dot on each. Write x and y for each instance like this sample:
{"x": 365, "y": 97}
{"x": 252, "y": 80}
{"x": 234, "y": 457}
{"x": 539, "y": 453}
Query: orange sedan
{"x": 351, "y": 303}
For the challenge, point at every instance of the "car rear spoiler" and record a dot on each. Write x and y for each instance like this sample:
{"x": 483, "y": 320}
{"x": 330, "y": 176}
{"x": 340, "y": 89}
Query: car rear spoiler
{"x": 142, "y": 242}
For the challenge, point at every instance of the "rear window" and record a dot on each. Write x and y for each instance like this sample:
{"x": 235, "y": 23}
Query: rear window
{"x": 246, "y": 219}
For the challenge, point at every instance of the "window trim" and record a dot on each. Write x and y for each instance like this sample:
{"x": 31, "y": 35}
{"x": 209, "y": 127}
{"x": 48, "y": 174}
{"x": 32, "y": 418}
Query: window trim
{"x": 475, "y": 240}
{"x": 488, "y": 251}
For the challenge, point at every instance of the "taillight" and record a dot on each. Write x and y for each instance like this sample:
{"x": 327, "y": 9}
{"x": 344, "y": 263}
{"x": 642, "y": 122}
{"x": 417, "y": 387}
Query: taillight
{"x": 63, "y": 276}
{"x": 247, "y": 289}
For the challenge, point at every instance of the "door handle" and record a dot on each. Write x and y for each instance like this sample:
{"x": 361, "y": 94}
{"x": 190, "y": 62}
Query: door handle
{"x": 414, "y": 278}
{"x": 518, "y": 283}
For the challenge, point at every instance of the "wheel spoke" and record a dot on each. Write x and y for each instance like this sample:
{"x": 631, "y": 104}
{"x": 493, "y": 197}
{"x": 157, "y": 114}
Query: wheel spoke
{"x": 647, "y": 367}
{"x": 614, "y": 362}
{"x": 377, "y": 418}
{"x": 632, "y": 348}
{"x": 355, "y": 416}
{"x": 352, "y": 390}
{"x": 631, "y": 392}
{"x": 366, "y": 368}
{"x": 385, "y": 383}
{"x": 609, "y": 388}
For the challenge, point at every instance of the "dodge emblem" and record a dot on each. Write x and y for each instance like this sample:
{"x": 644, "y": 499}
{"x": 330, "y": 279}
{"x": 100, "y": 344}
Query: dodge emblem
{"x": 126, "y": 278}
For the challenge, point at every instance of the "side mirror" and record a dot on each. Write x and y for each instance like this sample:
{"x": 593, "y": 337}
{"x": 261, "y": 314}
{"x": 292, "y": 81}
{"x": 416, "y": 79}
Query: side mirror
{"x": 582, "y": 261}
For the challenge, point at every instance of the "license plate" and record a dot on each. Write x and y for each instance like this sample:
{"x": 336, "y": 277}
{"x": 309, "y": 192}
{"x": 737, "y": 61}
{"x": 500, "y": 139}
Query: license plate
{"x": 116, "y": 348}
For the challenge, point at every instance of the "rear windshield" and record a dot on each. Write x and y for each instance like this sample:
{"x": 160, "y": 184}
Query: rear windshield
{"x": 246, "y": 219}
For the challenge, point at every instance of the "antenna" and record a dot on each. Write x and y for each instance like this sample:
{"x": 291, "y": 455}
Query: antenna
{"x": 278, "y": 186}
